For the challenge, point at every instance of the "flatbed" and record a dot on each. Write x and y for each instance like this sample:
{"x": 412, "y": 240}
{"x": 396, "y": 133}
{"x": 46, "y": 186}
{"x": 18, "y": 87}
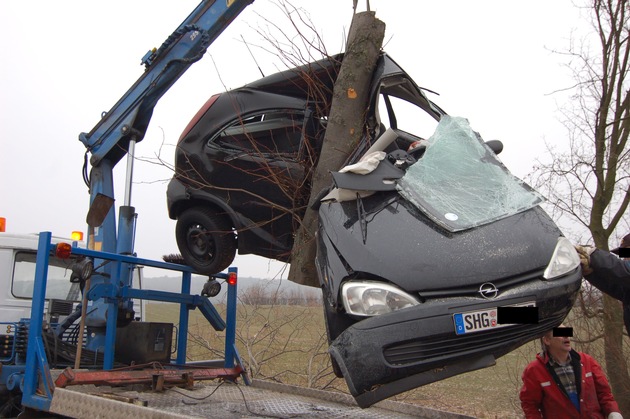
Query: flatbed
{"x": 225, "y": 400}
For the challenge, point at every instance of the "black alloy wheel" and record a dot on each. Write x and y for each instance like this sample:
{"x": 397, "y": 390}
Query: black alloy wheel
{"x": 205, "y": 240}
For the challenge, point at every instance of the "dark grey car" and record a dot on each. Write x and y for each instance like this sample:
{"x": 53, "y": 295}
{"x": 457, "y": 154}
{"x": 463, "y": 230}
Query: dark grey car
{"x": 242, "y": 167}
{"x": 417, "y": 274}
{"x": 433, "y": 259}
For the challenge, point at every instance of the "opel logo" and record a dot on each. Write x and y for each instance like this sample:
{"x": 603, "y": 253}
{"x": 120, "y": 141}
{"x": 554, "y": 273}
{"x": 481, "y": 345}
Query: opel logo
{"x": 488, "y": 290}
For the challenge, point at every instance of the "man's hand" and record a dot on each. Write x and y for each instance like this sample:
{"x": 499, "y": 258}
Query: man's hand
{"x": 585, "y": 258}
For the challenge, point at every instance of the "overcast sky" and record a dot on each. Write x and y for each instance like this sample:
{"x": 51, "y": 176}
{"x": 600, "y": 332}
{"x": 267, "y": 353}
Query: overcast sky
{"x": 65, "y": 62}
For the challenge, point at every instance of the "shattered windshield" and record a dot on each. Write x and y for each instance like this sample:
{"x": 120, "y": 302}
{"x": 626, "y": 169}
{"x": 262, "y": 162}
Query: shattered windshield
{"x": 460, "y": 183}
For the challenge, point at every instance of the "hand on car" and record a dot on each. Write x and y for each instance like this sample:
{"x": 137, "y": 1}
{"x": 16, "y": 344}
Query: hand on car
{"x": 585, "y": 258}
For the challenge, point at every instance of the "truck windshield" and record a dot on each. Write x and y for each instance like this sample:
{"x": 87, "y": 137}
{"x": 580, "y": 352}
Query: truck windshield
{"x": 58, "y": 284}
{"x": 460, "y": 183}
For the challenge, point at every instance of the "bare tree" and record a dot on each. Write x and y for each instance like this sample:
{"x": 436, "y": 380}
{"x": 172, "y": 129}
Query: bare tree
{"x": 589, "y": 182}
{"x": 277, "y": 341}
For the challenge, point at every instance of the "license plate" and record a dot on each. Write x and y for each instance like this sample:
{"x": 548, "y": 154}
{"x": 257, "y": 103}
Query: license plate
{"x": 480, "y": 320}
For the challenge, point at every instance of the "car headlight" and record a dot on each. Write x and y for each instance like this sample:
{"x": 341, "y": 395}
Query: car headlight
{"x": 371, "y": 298}
{"x": 565, "y": 259}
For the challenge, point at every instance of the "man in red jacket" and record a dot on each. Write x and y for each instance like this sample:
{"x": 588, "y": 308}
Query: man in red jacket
{"x": 563, "y": 383}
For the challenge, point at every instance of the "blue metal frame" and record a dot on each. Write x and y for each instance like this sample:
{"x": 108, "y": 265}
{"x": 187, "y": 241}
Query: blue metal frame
{"x": 182, "y": 342}
{"x": 230, "y": 333}
{"x": 36, "y": 361}
{"x": 37, "y": 368}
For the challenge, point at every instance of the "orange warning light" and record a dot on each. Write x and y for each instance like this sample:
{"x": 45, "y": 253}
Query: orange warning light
{"x": 63, "y": 250}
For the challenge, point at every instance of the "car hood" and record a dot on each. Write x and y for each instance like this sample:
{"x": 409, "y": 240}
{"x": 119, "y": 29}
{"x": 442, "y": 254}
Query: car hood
{"x": 393, "y": 240}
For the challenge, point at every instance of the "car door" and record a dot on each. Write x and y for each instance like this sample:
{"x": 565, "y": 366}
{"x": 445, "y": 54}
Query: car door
{"x": 260, "y": 168}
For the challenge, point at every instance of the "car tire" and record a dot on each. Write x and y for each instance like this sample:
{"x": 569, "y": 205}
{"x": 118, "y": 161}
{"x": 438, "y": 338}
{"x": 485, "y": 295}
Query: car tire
{"x": 205, "y": 240}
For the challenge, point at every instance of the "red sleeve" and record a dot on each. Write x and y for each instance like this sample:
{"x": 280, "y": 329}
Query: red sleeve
{"x": 531, "y": 394}
{"x": 604, "y": 394}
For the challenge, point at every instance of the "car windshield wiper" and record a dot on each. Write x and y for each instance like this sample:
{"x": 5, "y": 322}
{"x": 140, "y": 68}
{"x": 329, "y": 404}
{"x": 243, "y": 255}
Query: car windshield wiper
{"x": 362, "y": 217}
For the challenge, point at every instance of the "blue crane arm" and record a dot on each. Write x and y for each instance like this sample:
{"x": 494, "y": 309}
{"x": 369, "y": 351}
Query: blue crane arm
{"x": 130, "y": 116}
{"x": 115, "y": 135}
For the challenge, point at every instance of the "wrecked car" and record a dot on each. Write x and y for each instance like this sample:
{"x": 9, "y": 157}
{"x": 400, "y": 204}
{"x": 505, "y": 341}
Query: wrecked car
{"x": 424, "y": 238}
{"x": 417, "y": 267}
{"x": 242, "y": 167}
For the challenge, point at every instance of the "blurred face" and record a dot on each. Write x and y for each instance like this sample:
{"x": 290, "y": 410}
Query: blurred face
{"x": 557, "y": 346}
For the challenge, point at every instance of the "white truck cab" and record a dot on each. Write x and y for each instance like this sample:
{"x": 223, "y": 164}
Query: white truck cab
{"x": 18, "y": 254}
{"x": 18, "y": 259}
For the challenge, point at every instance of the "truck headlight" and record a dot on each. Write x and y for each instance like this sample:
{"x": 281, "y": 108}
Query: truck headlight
{"x": 371, "y": 298}
{"x": 564, "y": 259}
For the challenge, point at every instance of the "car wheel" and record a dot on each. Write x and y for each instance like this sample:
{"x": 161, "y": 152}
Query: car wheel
{"x": 205, "y": 240}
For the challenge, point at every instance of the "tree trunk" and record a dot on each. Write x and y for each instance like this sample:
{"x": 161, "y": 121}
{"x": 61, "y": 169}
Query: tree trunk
{"x": 616, "y": 365}
{"x": 345, "y": 128}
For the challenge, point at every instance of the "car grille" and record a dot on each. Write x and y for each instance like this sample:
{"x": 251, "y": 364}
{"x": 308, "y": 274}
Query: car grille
{"x": 445, "y": 345}
{"x": 502, "y": 285}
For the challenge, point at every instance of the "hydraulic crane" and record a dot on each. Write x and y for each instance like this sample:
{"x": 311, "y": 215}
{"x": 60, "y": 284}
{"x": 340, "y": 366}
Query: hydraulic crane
{"x": 106, "y": 279}
{"x": 116, "y": 135}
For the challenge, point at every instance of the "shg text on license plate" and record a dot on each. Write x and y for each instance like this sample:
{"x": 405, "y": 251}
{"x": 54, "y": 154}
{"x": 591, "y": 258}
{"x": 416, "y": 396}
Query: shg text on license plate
{"x": 480, "y": 320}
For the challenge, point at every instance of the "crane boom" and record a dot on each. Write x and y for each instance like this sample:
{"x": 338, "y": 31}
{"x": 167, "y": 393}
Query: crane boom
{"x": 130, "y": 116}
{"x": 115, "y": 136}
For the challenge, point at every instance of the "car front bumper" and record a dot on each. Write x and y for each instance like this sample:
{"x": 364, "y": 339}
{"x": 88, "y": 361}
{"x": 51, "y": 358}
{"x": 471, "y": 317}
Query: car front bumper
{"x": 388, "y": 354}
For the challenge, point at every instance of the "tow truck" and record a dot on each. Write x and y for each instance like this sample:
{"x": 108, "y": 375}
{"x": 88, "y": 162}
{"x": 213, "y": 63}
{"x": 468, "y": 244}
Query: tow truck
{"x": 103, "y": 269}
{"x": 93, "y": 391}
{"x": 61, "y": 342}
{"x": 46, "y": 387}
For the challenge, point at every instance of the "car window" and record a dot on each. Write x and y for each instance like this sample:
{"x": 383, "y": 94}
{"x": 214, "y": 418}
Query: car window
{"x": 405, "y": 108}
{"x": 406, "y": 117}
{"x": 266, "y": 133}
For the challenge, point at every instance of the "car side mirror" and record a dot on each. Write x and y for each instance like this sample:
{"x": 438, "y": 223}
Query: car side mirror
{"x": 495, "y": 145}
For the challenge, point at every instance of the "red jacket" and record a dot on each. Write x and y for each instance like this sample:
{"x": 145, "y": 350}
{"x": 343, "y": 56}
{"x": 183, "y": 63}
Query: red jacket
{"x": 542, "y": 396}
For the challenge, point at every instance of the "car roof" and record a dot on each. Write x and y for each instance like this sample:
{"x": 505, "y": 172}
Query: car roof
{"x": 299, "y": 81}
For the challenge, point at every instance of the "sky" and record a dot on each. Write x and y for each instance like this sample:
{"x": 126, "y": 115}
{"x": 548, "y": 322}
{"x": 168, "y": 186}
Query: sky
{"x": 64, "y": 63}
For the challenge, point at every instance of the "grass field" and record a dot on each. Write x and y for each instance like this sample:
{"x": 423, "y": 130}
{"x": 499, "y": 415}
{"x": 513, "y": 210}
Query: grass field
{"x": 288, "y": 344}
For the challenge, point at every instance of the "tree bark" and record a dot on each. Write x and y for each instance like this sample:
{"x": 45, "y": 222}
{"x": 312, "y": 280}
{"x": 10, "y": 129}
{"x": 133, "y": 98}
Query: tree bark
{"x": 616, "y": 364}
{"x": 345, "y": 128}
{"x": 612, "y": 319}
